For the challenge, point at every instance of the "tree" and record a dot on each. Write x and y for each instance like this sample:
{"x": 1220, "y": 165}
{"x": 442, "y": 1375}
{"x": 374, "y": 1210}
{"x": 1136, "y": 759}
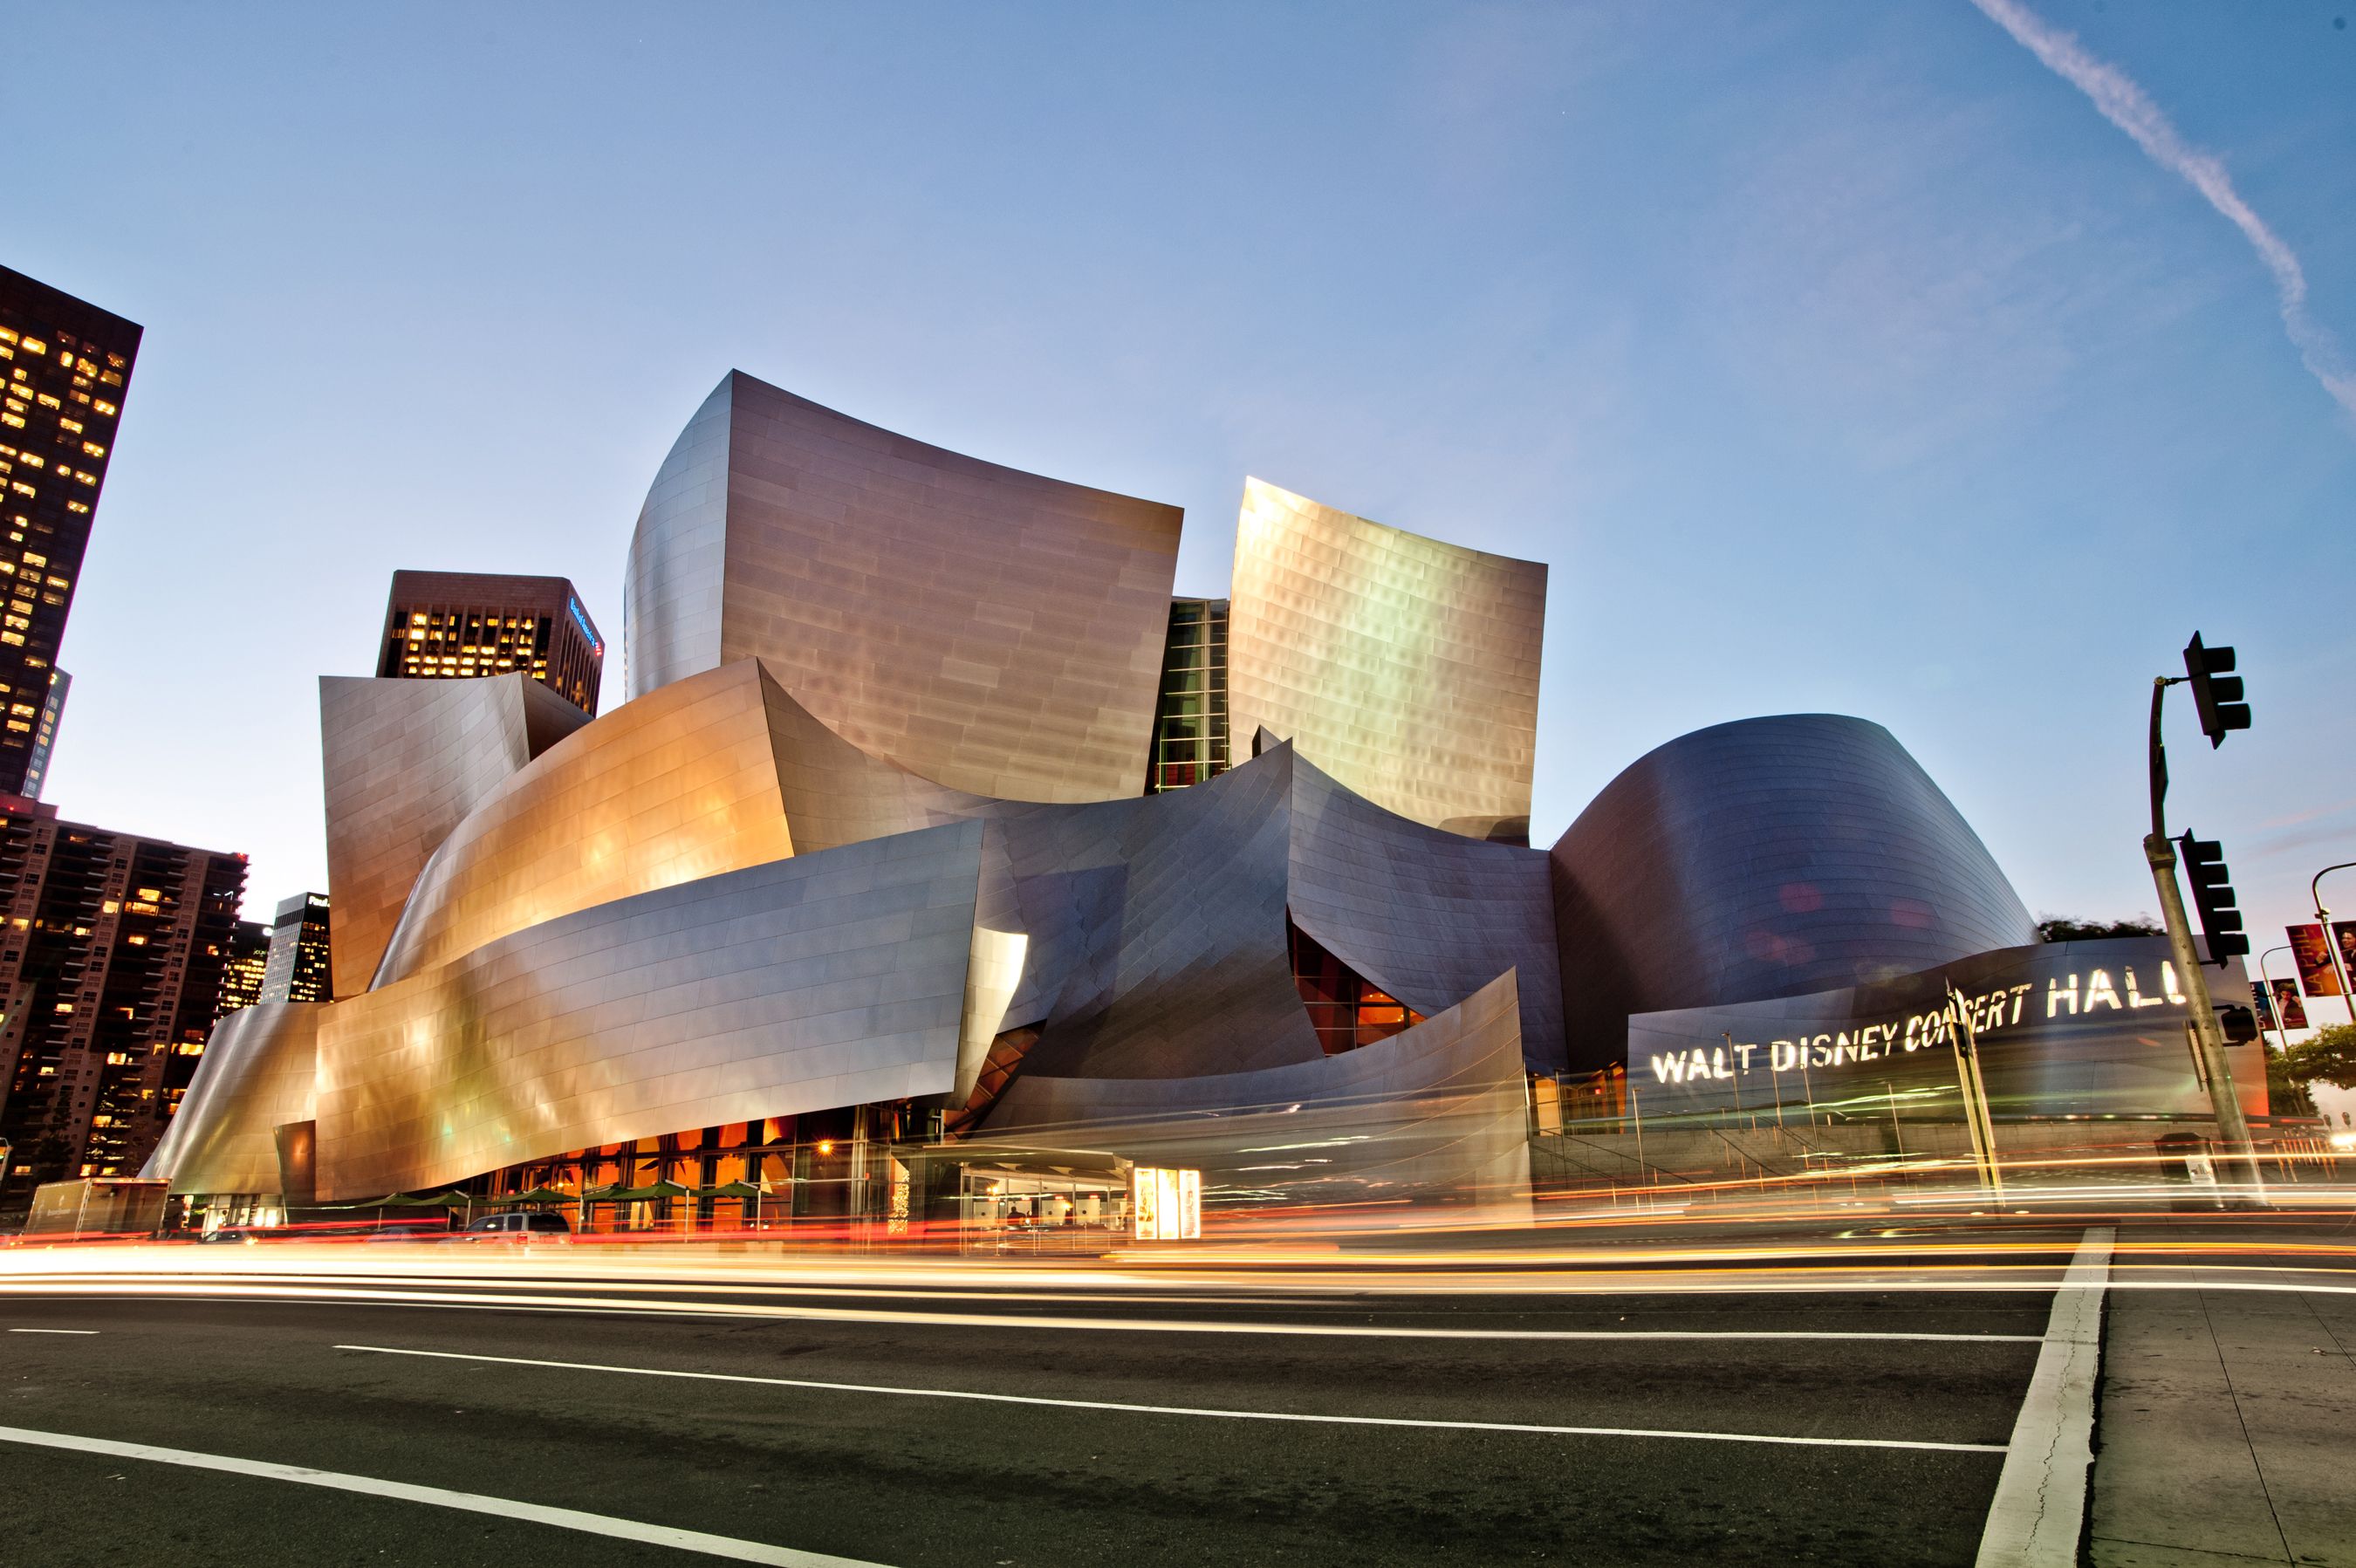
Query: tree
{"x": 2059, "y": 929}
{"x": 2329, "y": 1056}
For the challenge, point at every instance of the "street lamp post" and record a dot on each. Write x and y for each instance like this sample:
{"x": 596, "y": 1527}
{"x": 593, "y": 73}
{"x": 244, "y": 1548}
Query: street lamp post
{"x": 2330, "y": 943}
{"x": 2273, "y": 1008}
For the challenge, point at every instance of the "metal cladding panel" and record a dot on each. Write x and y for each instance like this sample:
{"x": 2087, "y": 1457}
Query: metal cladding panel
{"x": 1156, "y": 930}
{"x": 1405, "y": 668}
{"x": 1439, "y": 1109}
{"x": 1767, "y": 857}
{"x": 828, "y": 980}
{"x": 670, "y": 584}
{"x": 405, "y": 761}
{"x": 1428, "y": 916}
{"x": 671, "y": 788}
{"x": 987, "y": 629}
{"x": 260, "y": 1069}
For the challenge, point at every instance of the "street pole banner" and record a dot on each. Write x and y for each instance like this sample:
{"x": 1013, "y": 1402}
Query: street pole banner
{"x": 2288, "y": 1008}
{"x": 2316, "y": 975}
{"x": 2346, "y": 931}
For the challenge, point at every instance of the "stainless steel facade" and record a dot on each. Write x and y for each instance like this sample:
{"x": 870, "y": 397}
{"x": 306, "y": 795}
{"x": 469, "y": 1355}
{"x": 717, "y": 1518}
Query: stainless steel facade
{"x": 260, "y": 1073}
{"x": 406, "y": 761}
{"x": 824, "y": 979}
{"x": 868, "y": 837}
{"x": 1766, "y": 857}
{"x": 984, "y": 627}
{"x": 1404, "y": 667}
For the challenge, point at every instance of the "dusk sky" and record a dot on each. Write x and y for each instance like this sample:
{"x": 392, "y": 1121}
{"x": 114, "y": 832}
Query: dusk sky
{"x": 1848, "y": 357}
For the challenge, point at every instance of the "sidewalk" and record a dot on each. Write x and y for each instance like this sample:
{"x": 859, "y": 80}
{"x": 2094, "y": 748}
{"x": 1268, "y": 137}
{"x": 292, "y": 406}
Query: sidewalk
{"x": 2227, "y": 1430}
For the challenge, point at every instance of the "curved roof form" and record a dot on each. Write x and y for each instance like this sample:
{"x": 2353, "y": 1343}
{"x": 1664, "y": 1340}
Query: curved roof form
{"x": 1405, "y": 668}
{"x": 1761, "y": 858}
{"x": 825, "y": 980}
{"x": 259, "y": 1073}
{"x": 989, "y": 629}
{"x": 1438, "y": 1109}
{"x": 1428, "y": 916}
{"x": 405, "y": 761}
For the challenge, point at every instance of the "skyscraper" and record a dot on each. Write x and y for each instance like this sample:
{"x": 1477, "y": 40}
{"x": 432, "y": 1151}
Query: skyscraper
{"x": 296, "y": 967}
{"x": 45, "y": 733}
{"x": 448, "y": 624}
{"x": 63, "y": 367}
{"x": 110, "y": 958}
{"x": 248, "y": 961}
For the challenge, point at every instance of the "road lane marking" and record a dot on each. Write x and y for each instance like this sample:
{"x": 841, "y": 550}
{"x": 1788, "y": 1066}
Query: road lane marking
{"x": 1190, "y": 1410}
{"x": 53, "y": 1331}
{"x": 2039, "y": 1507}
{"x": 517, "y": 1301}
{"x": 438, "y": 1497}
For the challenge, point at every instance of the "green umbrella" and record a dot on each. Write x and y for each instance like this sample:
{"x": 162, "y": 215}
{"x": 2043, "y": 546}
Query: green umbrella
{"x": 537, "y": 1195}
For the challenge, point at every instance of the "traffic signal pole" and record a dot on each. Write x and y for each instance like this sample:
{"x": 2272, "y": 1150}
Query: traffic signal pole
{"x": 2233, "y": 1129}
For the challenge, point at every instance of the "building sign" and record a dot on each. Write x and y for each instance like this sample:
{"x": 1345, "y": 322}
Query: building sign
{"x": 2316, "y": 975}
{"x": 2063, "y": 1028}
{"x": 581, "y": 619}
{"x": 1167, "y": 1204}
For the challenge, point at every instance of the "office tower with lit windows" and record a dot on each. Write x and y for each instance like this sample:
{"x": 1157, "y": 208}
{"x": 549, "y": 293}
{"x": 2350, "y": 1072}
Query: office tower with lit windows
{"x": 1190, "y": 711}
{"x": 295, "y": 969}
{"x": 110, "y": 961}
{"x": 45, "y": 733}
{"x": 63, "y": 367}
{"x": 242, "y": 973}
{"x": 448, "y": 624}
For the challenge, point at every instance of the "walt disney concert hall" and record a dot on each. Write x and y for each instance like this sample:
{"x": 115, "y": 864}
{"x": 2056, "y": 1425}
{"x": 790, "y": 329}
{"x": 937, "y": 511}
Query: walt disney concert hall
{"x": 937, "y": 850}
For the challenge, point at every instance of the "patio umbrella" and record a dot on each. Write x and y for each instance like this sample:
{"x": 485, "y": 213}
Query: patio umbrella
{"x": 537, "y": 1195}
{"x": 737, "y": 1189}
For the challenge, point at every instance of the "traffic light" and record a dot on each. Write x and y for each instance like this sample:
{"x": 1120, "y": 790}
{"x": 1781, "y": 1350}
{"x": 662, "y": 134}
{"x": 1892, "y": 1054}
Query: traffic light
{"x": 2215, "y": 692}
{"x": 2213, "y": 895}
{"x": 2240, "y": 1024}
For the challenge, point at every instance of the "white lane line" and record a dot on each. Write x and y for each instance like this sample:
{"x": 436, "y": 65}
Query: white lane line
{"x": 514, "y": 1301}
{"x": 2041, "y": 1499}
{"x": 53, "y": 1331}
{"x": 1191, "y": 1410}
{"x": 437, "y": 1497}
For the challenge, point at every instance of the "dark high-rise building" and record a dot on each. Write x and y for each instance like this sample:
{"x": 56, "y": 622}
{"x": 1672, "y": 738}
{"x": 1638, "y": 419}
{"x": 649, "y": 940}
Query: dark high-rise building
{"x": 249, "y": 958}
{"x": 63, "y": 367}
{"x": 111, "y": 963}
{"x": 296, "y": 967}
{"x": 439, "y": 624}
{"x": 45, "y": 733}
{"x": 1190, "y": 714}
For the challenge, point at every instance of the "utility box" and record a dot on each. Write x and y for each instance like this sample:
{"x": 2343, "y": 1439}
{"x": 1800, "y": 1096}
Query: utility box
{"x": 97, "y": 1205}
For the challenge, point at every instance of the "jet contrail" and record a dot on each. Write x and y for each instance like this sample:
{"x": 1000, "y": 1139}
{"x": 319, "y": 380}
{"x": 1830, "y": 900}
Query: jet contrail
{"x": 2128, "y": 107}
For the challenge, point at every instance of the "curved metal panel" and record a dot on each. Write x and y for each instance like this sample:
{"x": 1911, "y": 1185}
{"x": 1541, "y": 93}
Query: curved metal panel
{"x": 826, "y": 979}
{"x": 1428, "y": 916}
{"x": 259, "y": 1070}
{"x": 1438, "y": 1109}
{"x": 405, "y": 761}
{"x": 666, "y": 789}
{"x": 1405, "y": 668}
{"x": 1767, "y": 857}
{"x": 670, "y": 584}
{"x": 987, "y": 629}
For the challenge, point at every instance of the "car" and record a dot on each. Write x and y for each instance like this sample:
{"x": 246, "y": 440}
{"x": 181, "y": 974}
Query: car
{"x": 537, "y": 1226}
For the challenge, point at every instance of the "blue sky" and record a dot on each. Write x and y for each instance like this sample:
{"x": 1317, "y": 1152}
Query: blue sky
{"x": 1837, "y": 356}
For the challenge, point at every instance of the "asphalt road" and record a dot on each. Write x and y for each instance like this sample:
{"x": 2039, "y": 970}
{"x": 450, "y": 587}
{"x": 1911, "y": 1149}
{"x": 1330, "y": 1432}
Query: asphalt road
{"x": 912, "y": 1481}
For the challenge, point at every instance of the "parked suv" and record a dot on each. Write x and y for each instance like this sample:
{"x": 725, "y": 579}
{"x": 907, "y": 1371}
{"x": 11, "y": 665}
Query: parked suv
{"x": 534, "y": 1227}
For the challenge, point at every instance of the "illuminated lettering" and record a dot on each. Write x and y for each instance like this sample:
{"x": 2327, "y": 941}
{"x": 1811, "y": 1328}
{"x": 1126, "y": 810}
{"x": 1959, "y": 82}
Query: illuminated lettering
{"x": 1913, "y": 1027}
{"x": 1743, "y": 1052}
{"x": 1670, "y": 1070}
{"x": 2168, "y": 982}
{"x": 1820, "y": 1053}
{"x": 1784, "y": 1056}
{"x": 2100, "y": 990}
{"x": 2137, "y": 998}
{"x": 2019, "y": 1000}
{"x": 2055, "y": 996}
{"x": 1717, "y": 1068}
